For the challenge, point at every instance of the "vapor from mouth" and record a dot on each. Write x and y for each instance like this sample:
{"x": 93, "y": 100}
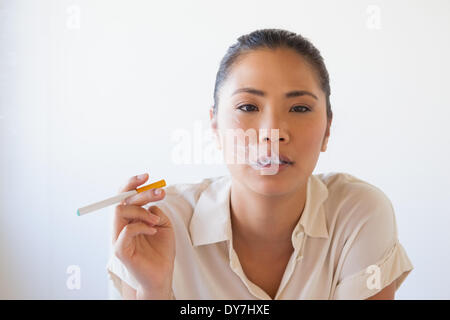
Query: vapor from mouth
{"x": 266, "y": 161}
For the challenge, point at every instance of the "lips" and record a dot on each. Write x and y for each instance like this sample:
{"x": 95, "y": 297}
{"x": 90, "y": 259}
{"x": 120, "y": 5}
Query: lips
{"x": 285, "y": 159}
{"x": 267, "y": 160}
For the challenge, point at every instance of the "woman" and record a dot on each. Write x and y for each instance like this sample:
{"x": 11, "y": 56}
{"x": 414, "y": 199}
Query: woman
{"x": 271, "y": 229}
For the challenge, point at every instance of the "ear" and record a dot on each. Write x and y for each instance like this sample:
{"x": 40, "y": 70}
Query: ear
{"x": 213, "y": 119}
{"x": 327, "y": 135}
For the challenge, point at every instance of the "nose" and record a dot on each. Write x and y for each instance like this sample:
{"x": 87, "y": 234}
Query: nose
{"x": 266, "y": 138}
{"x": 274, "y": 131}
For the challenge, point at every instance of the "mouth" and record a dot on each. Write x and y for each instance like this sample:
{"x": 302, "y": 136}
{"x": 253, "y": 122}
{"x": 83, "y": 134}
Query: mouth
{"x": 267, "y": 161}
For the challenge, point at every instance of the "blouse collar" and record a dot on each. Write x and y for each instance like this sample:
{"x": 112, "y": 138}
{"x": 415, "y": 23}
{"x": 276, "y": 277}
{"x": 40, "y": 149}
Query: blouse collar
{"x": 211, "y": 222}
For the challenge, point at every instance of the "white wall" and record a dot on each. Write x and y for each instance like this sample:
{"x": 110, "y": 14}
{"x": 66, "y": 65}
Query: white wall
{"x": 91, "y": 91}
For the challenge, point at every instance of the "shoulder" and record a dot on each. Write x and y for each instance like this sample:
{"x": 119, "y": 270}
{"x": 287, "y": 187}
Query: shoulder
{"x": 354, "y": 202}
{"x": 344, "y": 186}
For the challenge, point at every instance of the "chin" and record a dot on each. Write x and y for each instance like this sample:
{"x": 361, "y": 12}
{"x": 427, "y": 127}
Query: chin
{"x": 270, "y": 184}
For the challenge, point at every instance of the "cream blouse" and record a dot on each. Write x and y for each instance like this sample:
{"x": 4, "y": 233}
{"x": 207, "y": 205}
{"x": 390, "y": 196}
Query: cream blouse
{"x": 345, "y": 244}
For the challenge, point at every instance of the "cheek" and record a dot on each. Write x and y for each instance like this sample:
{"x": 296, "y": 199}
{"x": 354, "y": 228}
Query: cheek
{"x": 230, "y": 118}
{"x": 309, "y": 138}
{"x": 232, "y": 123}
{"x": 235, "y": 121}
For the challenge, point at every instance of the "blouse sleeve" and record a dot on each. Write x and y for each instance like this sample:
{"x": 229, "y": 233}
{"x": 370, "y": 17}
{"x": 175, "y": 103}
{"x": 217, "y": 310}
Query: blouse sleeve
{"x": 372, "y": 257}
{"x": 117, "y": 272}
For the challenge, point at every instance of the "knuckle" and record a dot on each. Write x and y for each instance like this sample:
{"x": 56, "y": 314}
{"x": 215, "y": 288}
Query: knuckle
{"x": 150, "y": 194}
{"x": 154, "y": 209}
{"x": 128, "y": 201}
{"x": 119, "y": 209}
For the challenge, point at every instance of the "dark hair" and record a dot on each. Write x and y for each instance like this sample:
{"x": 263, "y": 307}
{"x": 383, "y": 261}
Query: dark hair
{"x": 273, "y": 39}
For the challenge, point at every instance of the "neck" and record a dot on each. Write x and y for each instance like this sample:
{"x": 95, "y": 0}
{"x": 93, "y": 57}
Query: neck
{"x": 259, "y": 220}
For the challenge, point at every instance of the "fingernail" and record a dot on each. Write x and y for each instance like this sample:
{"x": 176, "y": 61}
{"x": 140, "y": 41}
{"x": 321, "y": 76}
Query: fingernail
{"x": 157, "y": 192}
{"x": 141, "y": 176}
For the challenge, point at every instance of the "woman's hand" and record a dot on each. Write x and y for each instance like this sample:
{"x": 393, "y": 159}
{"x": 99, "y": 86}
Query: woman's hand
{"x": 144, "y": 241}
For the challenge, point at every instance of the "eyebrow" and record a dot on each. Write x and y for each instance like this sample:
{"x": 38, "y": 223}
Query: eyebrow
{"x": 290, "y": 94}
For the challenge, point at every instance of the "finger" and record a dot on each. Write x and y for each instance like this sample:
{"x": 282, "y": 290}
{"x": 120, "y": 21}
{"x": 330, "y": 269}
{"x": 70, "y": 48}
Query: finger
{"x": 126, "y": 237}
{"x": 164, "y": 220}
{"x": 145, "y": 197}
{"x": 132, "y": 212}
{"x": 134, "y": 182}
{"x": 127, "y": 214}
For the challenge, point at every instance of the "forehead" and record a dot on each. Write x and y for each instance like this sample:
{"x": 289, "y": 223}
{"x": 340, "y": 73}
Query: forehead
{"x": 272, "y": 70}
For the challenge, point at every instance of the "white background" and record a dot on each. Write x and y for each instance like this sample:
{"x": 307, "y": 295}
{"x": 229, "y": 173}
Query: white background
{"x": 92, "y": 91}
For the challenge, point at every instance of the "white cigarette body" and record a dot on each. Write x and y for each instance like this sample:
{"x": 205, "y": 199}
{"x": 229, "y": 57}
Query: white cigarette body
{"x": 106, "y": 202}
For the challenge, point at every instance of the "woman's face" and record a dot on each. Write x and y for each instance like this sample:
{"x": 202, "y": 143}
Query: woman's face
{"x": 285, "y": 95}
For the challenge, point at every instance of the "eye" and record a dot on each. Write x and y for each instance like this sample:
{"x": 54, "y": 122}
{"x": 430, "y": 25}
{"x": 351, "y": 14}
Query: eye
{"x": 301, "y": 109}
{"x": 248, "y": 107}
